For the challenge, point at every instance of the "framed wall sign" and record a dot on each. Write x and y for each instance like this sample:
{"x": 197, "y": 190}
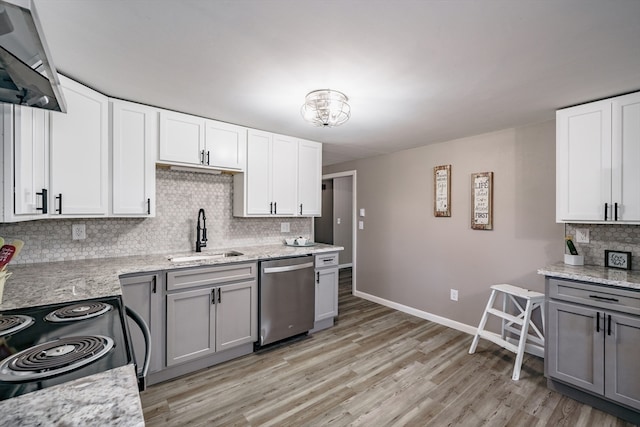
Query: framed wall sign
{"x": 617, "y": 259}
{"x": 442, "y": 190}
{"x": 482, "y": 201}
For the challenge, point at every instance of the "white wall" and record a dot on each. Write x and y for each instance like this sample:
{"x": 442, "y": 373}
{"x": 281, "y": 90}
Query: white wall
{"x": 408, "y": 256}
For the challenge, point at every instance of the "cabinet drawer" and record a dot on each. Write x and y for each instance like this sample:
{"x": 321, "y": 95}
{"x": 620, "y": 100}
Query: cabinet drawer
{"x": 606, "y": 297}
{"x": 327, "y": 260}
{"x": 196, "y": 276}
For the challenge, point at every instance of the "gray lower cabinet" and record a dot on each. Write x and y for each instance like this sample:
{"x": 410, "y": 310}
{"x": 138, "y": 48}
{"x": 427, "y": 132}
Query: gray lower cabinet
{"x": 204, "y": 320}
{"x": 143, "y": 294}
{"x": 593, "y": 340}
{"x": 326, "y": 273}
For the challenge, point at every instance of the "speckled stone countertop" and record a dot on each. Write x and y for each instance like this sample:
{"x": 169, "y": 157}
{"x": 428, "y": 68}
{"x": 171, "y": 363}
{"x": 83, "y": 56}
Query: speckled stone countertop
{"x": 106, "y": 399}
{"x": 55, "y": 282}
{"x": 594, "y": 274}
{"x": 113, "y": 400}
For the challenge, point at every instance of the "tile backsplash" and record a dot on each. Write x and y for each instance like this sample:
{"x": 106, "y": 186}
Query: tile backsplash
{"x": 607, "y": 236}
{"x": 179, "y": 196}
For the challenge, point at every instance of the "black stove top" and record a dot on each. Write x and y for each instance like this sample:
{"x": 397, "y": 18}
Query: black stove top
{"x": 49, "y": 345}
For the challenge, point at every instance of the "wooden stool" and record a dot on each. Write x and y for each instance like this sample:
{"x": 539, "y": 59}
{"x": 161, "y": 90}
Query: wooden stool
{"x": 533, "y": 343}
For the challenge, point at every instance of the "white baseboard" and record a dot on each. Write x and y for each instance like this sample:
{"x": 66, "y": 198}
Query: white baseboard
{"x": 418, "y": 313}
{"x": 462, "y": 327}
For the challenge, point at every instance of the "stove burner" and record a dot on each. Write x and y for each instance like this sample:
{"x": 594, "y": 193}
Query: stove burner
{"x": 83, "y": 310}
{"x": 54, "y": 357}
{"x": 13, "y": 323}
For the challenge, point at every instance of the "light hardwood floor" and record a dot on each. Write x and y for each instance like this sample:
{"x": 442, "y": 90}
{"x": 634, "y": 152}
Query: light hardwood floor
{"x": 376, "y": 367}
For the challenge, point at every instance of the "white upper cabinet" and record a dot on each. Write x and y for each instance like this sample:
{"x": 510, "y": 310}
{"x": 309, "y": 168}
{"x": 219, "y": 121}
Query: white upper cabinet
{"x": 181, "y": 138}
{"x": 134, "y": 142}
{"x": 598, "y": 161}
{"x": 309, "y": 178}
{"x": 79, "y": 153}
{"x": 225, "y": 145}
{"x": 269, "y": 185}
{"x": 194, "y": 141}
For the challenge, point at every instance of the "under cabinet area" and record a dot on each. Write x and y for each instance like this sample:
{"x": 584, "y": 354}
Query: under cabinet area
{"x": 598, "y": 161}
{"x": 593, "y": 339}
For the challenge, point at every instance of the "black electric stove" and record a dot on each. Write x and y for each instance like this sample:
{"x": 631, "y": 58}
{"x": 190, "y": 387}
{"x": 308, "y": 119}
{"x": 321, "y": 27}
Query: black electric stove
{"x": 48, "y": 345}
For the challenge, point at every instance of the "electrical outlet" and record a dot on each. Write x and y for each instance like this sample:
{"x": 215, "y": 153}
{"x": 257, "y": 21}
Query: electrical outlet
{"x": 284, "y": 227}
{"x": 338, "y": 221}
{"x": 582, "y": 235}
{"x": 454, "y": 295}
{"x": 78, "y": 232}
{"x": 361, "y": 225}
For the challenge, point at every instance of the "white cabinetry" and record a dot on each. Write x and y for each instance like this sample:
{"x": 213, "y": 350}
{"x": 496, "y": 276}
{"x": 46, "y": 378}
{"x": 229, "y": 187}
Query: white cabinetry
{"x": 309, "y": 178}
{"x": 598, "y": 161}
{"x": 79, "y": 153}
{"x": 269, "y": 185}
{"x": 134, "y": 142}
{"x": 25, "y": 160}
{"x": 195, "y": 141}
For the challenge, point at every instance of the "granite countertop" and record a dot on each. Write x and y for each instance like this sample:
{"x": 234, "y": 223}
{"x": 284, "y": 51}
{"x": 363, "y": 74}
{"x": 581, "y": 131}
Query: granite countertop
{"x": 594, "y": 274}
{"x": 56, "y": 282}
{"x": 107, "y": 399}
{"x": 113, "y": 398}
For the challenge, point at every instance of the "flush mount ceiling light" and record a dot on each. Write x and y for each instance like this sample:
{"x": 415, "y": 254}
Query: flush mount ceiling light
{"x": 326, "y": 108}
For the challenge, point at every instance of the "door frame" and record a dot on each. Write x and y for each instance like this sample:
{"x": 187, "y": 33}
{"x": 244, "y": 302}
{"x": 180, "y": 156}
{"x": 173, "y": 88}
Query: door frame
{"x": 354, "y": 225}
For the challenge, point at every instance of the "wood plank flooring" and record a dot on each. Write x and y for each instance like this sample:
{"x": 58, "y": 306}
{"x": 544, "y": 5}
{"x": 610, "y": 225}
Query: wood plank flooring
{"x": 376, "y": 367}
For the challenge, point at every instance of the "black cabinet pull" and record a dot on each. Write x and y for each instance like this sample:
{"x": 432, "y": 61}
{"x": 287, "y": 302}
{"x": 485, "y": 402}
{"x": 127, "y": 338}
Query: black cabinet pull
{"x": 270, "y": 208}
{"x": 45, "y": 201}
{"x": 213, "y": 296}
{"x": 609, "y": 325}
{"x": 154, "y": 287}
{"x": 598, "y": 297}
{"x": 208, "y": 152}
{"x": 219, "y": 295}
{"x": 59, "y": 198}
{"x": 615, "y": 211}
{"x": 275, "y": 208}
{"x": 597, "y": 321}
{"x": 300, "y": 208}
{"x": 606, "y": 205}
{"x": 318, "y": 277}
{"x": 148, "y": 206}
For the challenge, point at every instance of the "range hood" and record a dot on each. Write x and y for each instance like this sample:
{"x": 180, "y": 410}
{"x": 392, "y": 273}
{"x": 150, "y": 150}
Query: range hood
{"x": 27, "y": 75}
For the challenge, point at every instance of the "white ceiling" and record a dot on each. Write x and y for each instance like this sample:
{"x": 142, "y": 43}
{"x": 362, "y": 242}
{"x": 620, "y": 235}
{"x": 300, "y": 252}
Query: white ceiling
{"x": 416, "y": 72}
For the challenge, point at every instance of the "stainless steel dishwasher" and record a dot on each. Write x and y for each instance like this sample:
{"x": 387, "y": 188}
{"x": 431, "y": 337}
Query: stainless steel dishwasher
{"x": 287, "y": 298}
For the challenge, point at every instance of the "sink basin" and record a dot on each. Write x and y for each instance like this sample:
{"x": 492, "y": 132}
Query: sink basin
{"x": 203, "y": 257}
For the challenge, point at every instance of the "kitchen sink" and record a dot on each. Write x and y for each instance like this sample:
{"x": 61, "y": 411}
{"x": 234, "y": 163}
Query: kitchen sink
{"x": 190, "y": 258}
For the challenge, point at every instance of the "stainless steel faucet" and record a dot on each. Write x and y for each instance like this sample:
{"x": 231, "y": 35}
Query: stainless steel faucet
{"x": 201, "y": 232}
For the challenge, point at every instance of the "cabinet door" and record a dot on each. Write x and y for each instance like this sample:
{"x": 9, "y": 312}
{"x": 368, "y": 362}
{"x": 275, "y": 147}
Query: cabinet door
{"x": 79, "y": 152}
{"x": 284, "y": 175}
{"x": 326, "y": 293}
{"x": 134, "y": 144}
{"x": 626, "y": 157}
{"x": 309, "y": 178}
{"x": 576, "y": 346}
{"x": 181, "y": 138}
{"x": 191, "y": 325}
{"x": 226, "y": 145}
{"x": 141, "y": 293}
{"x": 622, "y": 366}
{"x": 236, "y": 315}
{"x": 258, "y": 175}
{"x": 30, "y": 160}
{"x": 583, "y": 162}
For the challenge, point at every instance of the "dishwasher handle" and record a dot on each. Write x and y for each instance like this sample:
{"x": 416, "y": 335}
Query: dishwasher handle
{"x": 295, "y": 267}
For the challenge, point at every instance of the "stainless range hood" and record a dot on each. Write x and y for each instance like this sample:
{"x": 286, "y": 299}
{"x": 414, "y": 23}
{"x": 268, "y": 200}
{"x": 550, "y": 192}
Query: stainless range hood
{"x": 27, "y": 75}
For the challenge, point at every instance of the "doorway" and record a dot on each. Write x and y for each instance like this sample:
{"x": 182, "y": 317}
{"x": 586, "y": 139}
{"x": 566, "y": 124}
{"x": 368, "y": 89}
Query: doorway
{"x": 337, "y": 225}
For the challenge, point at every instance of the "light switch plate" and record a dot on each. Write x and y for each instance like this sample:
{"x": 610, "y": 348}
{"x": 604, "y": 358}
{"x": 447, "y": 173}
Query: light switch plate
{"x": 582, "y": 235}
{"x": 362, "y": 212}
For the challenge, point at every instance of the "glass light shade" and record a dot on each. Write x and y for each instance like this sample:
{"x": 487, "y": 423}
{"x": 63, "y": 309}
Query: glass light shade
{"x": 326, "y": 108}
